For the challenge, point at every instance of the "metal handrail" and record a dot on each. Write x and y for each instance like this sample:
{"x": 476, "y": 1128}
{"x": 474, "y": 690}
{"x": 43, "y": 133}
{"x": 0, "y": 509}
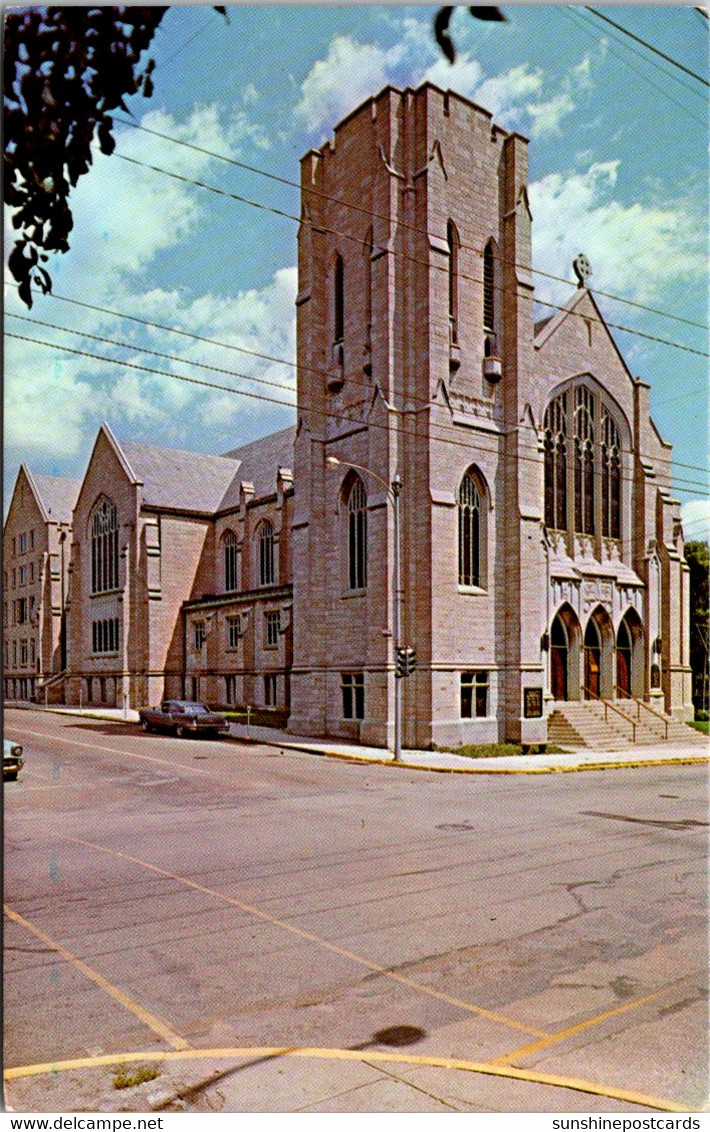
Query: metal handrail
{"x": 608, "y": 704}
{"x": 642, "y": 704}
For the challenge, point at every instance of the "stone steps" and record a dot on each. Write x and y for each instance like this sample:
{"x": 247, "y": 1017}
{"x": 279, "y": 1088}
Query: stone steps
{"x": 583, "y": 723}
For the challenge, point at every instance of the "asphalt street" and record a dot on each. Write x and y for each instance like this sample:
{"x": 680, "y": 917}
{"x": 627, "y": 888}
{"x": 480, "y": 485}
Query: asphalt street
{"x": 271, "y": 931}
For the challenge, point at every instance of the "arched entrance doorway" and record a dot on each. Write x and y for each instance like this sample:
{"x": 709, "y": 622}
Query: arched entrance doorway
{"x": 565, "y": 642}
{"x": 592, "y": 661}
{"x": 559, "y": 660}
{"x": 630, "y": 656}
{"x": 599, "y": 642}
{"x": 623, "y": 661}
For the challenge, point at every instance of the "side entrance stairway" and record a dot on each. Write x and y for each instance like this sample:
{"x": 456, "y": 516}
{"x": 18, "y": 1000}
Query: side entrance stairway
{"x": 51, "y": 691}
{"x": 616, "y": 725}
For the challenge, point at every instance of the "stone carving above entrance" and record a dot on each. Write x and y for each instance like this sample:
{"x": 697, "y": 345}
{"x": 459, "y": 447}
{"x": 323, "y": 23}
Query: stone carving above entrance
{"x": 597, "y": 591}
{"x": 565, "y": 589}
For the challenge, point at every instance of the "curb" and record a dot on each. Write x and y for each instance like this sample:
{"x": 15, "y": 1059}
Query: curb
{"x": 686, "y": 760}
{"x": 360, "y": 760}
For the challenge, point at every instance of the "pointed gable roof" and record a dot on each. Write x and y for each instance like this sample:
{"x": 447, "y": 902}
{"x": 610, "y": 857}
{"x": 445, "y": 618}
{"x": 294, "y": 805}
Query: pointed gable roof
{"x": 545, "y": 329}
{"x": 178, "y": 479}
{"x": 55, "y": 495}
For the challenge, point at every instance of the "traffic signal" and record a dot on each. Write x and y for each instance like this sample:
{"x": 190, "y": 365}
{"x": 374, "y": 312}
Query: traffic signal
{"x": 405, "y": 661}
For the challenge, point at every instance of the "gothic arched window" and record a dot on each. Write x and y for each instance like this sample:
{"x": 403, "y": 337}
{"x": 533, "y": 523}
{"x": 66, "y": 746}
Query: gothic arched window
{"x": 452, "y": 239}
{"x": 583, "y": 460}
{"x": 489, "y": 296}
{"x": 471, "y": 532}
{"x": 582, "y": 445}
{"x": 556, "y": 464}
{"x": 367, "y": 263}
{"x": 265, "y": 540}
{"x": 611, "y": 477}
{"x": 104, "y": 547}
{"x": 357, "y": 535}
{"x": 338, "y": 299}
{"x": 229, "y": 551}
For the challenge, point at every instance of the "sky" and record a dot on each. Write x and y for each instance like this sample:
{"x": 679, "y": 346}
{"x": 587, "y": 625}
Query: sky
{"x": 618, "y": 169}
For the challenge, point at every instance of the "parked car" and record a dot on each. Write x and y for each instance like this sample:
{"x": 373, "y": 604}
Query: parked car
{"x": 12, "y": 760}
{"x": 183, "y": 717}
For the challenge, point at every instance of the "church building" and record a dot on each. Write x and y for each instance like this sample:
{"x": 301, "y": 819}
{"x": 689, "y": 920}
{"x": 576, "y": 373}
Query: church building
{"x": 539, "y": 563}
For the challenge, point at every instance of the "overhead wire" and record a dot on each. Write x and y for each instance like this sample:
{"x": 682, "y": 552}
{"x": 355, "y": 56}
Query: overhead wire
{"x": 368, "y": 212}
{"x": 318, "y": 372}
{"x": 587, "y": 24}
{"x": 328, "y": 413}
{"x": 647, "y": 45}
{"x": 321, "y": 228}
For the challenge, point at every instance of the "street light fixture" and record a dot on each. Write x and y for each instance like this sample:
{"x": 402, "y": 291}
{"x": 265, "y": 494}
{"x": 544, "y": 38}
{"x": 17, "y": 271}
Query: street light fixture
{"x": 394, "y": 491}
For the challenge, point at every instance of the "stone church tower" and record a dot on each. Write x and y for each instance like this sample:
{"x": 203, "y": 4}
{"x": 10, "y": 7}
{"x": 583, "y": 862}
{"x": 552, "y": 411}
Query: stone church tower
{"x": 415, "y": 331}
{"x": 535, "y": 499}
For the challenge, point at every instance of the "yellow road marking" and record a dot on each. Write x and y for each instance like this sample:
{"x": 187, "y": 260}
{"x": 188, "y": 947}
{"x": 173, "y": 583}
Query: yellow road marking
{"x": 635, "y": 764}
{"x": 553, "y": 1039}
{"x": 113, "y": 751}
{"x": 386, "y": 972}
{"x": 248, "y": 1052}
{"x": 155, "y": 1024}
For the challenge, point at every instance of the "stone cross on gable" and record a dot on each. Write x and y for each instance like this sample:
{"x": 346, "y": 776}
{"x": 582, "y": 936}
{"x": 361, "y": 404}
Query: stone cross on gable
{"x": 582, "y": 269}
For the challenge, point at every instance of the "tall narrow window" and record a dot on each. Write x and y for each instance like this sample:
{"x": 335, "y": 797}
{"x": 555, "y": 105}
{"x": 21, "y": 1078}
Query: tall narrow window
{"x": 367, "y": 265}
{"x": 470, "y": 513}
{"x": 229, "y": 550}
{"x": 271, "y": 629}
{"x": 584, "y": 461}
{"x": 200, "y": 634}
{"x": 266, "y": 554}
{"x": 357, "y": 536}
{"x": 234, "y": 632}
{"x": 556, "y": 464}
{"x": 104, "y": 547}
{"x": 452, "y": 239}
{"x": 353, "y": 688}
{"x": 611, "y": 477}
{"x": 339, "y": 299}
{"x": 489, "y": 297}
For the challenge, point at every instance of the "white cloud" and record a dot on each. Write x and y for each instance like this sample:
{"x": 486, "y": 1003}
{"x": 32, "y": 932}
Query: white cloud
{"x": 634, "y": 249}
{"x": 350, "y": 72}
{"x": 124, "y": 217}
{"x": 696, "y": 519}
{"x": 547, "y": 116}
{"x": 502, "y": 94}
{"x": 462, "y": 76}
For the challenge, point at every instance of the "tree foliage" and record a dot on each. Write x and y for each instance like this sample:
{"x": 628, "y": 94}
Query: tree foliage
{"x": 443, "y": 18}
{"x": 697, "y": 555}
{"x": 66, "y": 70}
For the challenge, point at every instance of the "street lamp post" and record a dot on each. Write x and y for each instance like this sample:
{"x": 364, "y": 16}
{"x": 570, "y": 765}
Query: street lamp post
{"x": 394, "y": 491}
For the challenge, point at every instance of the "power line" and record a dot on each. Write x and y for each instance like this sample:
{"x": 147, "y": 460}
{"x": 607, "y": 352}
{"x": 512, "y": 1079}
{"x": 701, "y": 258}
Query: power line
{"x": 155, "y": 353}
{"x": 586, "y": 20}
{"x": 379, "y": 216}
{"x": 648, "y": 46}
{"x": 583, "y": 20}
{"x": 320, "y": 373}
{"x": 327, "y": 413}
{"x": 321, "y": 228}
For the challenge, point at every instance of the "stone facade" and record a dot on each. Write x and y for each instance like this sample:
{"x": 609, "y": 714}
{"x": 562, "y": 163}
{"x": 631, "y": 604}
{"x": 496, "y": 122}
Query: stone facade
{"x": 418, "y": 356}
{"x": 541, "y": 547}
{"x": 36, "y": 549}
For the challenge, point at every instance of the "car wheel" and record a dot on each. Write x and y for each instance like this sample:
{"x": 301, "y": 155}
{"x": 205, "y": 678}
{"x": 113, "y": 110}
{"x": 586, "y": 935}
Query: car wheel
{"x": 180, "y": 731}
{"x": 145, "y": 725}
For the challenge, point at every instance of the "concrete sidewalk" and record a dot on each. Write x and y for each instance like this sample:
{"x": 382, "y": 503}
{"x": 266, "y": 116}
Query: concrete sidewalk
{"x": 696, "y": 750}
